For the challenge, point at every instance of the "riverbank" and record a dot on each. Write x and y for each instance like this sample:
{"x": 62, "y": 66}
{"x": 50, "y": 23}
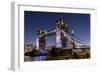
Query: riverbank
{"x": 58, "y": 54}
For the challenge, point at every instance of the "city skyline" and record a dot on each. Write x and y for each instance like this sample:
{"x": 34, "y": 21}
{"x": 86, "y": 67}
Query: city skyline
{"x": 33, "y": 21}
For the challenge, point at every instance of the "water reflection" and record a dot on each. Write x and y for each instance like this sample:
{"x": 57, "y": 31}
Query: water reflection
{"x": 41, "y": 56}
{"x": 36, "y": 58}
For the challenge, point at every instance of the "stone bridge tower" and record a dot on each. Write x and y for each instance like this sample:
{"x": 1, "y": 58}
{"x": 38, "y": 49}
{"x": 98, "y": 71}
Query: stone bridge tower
{"x": 61, "y": 40}
{"x": 41, "y": 42}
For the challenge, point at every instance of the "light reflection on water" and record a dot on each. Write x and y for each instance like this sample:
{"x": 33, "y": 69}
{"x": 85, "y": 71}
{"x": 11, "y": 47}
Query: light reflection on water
{"x": 42, "y": 56}
{"x": 36, "y": 58}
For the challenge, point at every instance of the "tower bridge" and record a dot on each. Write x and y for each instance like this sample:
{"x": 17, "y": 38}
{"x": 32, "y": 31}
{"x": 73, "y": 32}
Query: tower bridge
{"x": 63, "y": 38}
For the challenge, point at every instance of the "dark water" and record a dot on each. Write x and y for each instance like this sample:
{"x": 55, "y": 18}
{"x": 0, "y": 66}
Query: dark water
{"x": 36, "y": 58}
{"x": 41, "y": 56}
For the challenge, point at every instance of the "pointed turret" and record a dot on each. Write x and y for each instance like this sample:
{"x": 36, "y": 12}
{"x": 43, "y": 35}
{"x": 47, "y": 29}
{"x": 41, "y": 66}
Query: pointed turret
{"x": 62, "y": 24}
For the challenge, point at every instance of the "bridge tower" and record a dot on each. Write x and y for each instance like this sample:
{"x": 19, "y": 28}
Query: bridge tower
{"x": 61, "y": 40}
{"x": 41, "y": 41}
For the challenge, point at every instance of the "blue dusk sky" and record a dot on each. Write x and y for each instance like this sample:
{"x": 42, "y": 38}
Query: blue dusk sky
{"x": 78, "y": 22}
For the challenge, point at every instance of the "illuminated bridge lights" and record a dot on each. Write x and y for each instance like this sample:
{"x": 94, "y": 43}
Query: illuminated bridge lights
{"x": 41, "y": 32}
{"x": 63, "y": 39}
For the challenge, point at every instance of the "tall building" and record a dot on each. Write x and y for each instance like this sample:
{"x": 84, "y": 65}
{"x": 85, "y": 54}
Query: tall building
{"x": 61, "y": 24}
{"x": 42, "y": 40}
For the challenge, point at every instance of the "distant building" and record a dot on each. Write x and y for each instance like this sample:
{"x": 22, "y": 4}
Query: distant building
{"x": 28, "y": 48}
